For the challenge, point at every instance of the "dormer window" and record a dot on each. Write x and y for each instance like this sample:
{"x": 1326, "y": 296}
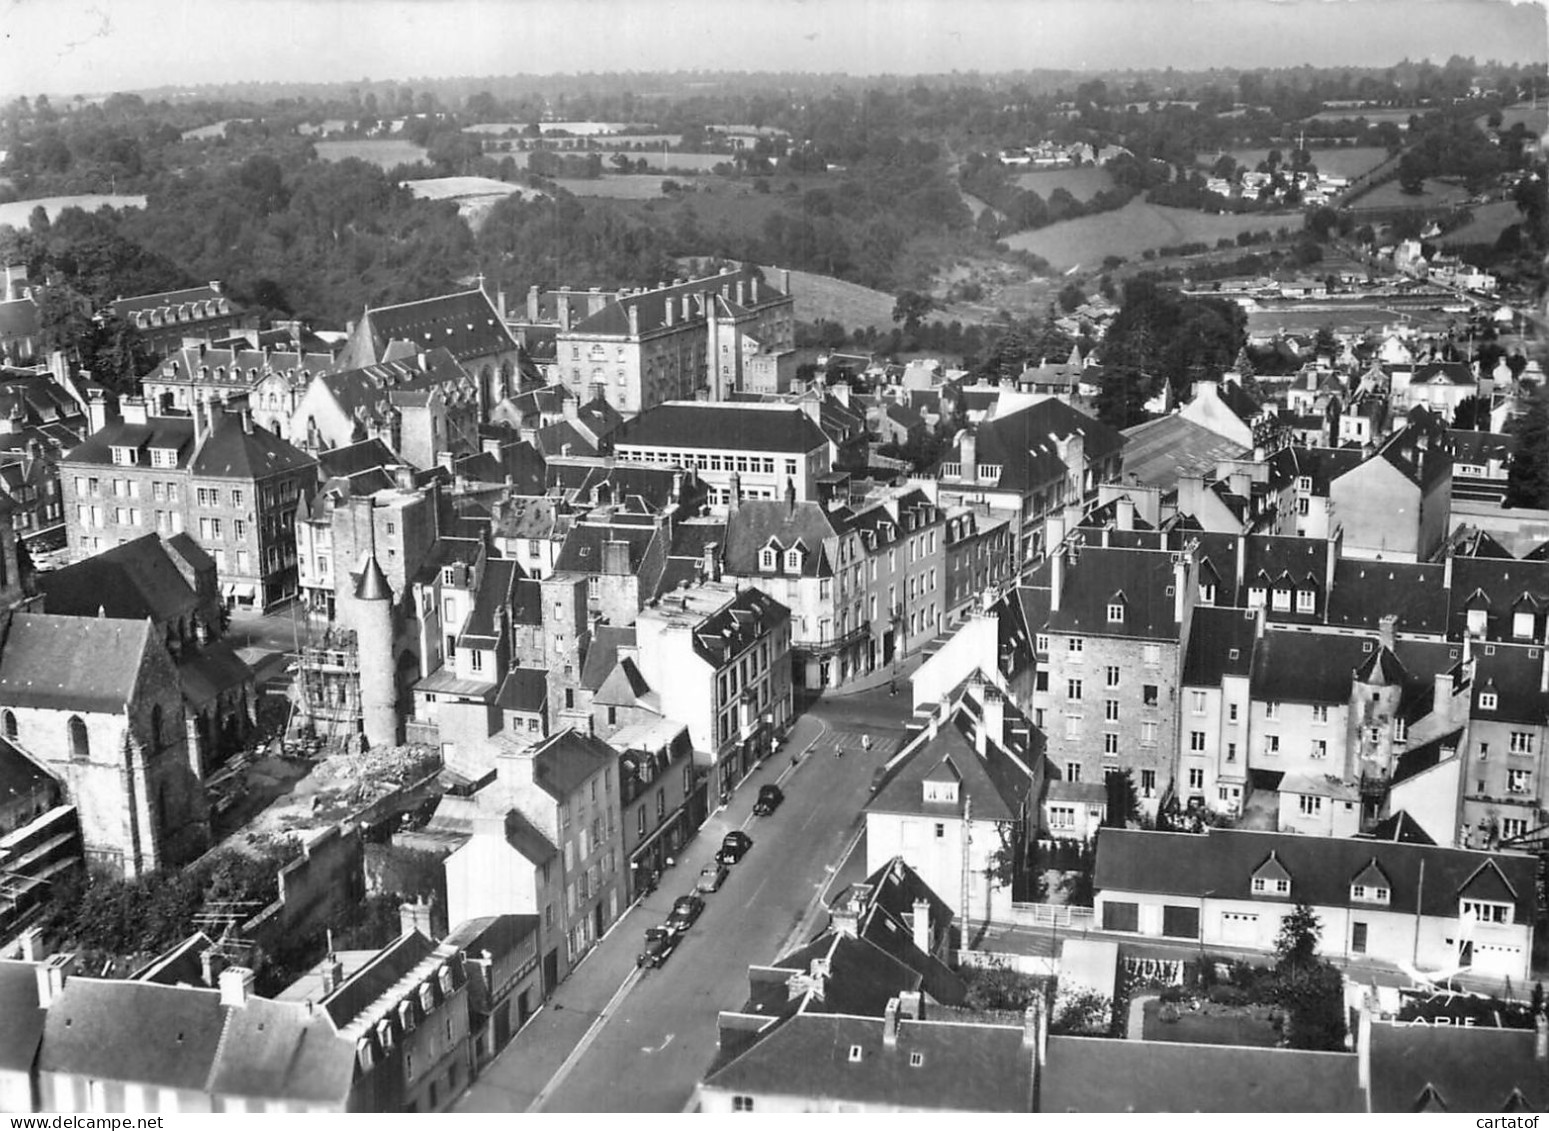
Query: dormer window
{"x": 1478, "y": 621}
{"x": 1116, "y": 612}
{"x": 941, "y": 792}
{"x": 1488, "y": 700}
{"x": 1271, "y": 878}
{"x": 1207, "y": 593}
{"x": 1255, "y": 596}
{"x": 766, "y": 559}
{"x": 125, "y": 455}
{"x": 1304, "y": 483}
{"x": 793, "y": 560}
{"x": 1522, "y": 626}
{"x": 1305, "y": 600}
{"x": 1282, "y": 600}
{"x": 1486, "y": 911}
{"x": 1362, "y": 893}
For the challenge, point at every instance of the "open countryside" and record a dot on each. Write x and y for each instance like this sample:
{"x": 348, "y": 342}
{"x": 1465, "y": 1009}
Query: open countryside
{"x": 384, "y": 153}
{"x": 1138, "y": 227}
{"x": 1082, "y": 182}
{"x": 1338, "y": 162}
{"x": 16, "y": 212}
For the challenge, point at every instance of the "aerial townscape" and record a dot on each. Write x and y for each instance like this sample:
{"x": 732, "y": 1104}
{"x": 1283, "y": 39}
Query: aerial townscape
{"x": 810, "y": 576}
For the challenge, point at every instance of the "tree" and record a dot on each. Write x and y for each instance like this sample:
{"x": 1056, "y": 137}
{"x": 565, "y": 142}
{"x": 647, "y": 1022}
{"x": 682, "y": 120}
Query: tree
{"x": 1296, "y": 946}
{"x": 999, "y": 987}
{"x": 1527, "y": 477}
{"x": 1472, "y": 415}
{"x": 1071, "y": 297}
{"x": 1123, "y": 799}
{"x": 911, "y": 308}
{"x": 1081, "y": 1013}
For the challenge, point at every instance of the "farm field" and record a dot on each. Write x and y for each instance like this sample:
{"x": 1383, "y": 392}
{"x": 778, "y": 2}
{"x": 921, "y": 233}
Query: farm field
{"x": 616, "y": 186}
{"x": 1399, "y": 114}
{"x": 1489, "y": 221}
{"x": 474, "y": 196}
{"x": 17, "y": 211}
{"x": 1437, "y": 194}
{"x": 384, "y": 153}
{"x": 1351, "y": 162}
{"x": 1083, "y": 182}
{"x": 213, "y": 130}
{"x": 1535, "y": 118}
{"x": 1137, "y": 226}
{"x": 849, "y": 304}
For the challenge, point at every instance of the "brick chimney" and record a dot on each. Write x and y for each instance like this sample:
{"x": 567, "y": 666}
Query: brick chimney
{"x": 532, "y": 303}
{"x": 712, "y": 561}
{"x": 1387, "y": 631}
{"x": 993, "y": 728}
{"x": 415, "y": 916}
{"x": 734, "y": 493}
{"x": 890, "y": 1024}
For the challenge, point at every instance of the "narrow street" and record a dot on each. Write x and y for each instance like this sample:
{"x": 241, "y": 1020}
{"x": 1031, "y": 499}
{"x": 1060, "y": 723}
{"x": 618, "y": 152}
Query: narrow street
{"x": 614, "y": 1038}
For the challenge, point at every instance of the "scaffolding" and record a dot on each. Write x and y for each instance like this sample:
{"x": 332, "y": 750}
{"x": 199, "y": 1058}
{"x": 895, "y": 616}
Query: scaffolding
{"x": 326, "y": 700}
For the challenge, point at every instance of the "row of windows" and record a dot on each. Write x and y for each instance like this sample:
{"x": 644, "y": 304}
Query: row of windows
{"x": 744, "y": 465}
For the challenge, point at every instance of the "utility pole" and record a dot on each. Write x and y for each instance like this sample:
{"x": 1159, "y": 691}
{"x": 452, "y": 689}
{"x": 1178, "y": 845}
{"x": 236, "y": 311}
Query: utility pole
{"x": 968, "y": 812}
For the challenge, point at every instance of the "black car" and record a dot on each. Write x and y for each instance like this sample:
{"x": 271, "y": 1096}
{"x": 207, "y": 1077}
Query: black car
{"x": 769, "y": 798}
{"x": 684, "y": 912}
{"x": 734, "y": 846}
{"x": 659, "y": 943}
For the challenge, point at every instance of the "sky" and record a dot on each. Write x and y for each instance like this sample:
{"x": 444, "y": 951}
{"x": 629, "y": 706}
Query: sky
{"x": 68, "y": 47}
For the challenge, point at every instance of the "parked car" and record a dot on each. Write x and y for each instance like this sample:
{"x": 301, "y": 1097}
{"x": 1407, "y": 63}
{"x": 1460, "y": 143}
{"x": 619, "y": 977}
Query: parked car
{"x": 878, "y": 776}
{"x": 659, "y": 943}
{"x": 734, "y": 846}
{"x": 684, "y": 912}
{"x": 769, "y": 798}
{"x": 711, "y": 876}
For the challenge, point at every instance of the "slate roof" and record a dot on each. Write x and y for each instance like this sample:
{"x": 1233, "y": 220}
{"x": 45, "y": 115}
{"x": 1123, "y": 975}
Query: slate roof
{"x": 56, "y": 662}
{"x": 651, "y": 305}
{"x": 1366, "y": 591}
{"x": 380, "y": 973}
{"x": 563, "y": 762}
{"x": 23, "y": 1028}
{"x": 1400, "y": 827}
{"x": 1465, "y": 1069}
{"x": 524, "y": 689}
{"x": 757, "y": 522}
{"x": 212, "y": 670}
{"x": 1220, "y": 644}
{"x": 723, "y": 426}
{"x": 482, "y": 628}
{"x": 133, "y": 1032}
{"x": 1321, "y": 465}
{"x": 583, "y": 551}
{"x": 352, "y": 459}
{"x": 736, "y": 625}
{"x": 232, "y": 452}
{"x": 1023, "y": 443}
{"x": 527, "y": 602}
{"x": 1307, "y": 667}
{"x": 1138, "y": 579}
{"x": 1496, "y": 586}
{"x": 130, "y": 581}
{"x": 998, "y": 784}
{"x": 1098, "y": 1074}
{"x": 963, "y": 1067}
{"x": 465, "y": 323}
{"x": 602, "y": 656}
{"x": 1513, "y": 673}
{"x": 1222, "y": 862}
{"x": 274, "y": 1049}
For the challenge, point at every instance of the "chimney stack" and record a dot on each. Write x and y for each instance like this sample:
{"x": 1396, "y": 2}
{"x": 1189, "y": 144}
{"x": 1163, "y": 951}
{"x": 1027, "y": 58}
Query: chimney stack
{"x": 1541, "y": 1040}
{"x": 634, "y": 319}
{"x": 1124, "y": 513}
{"x": 1387, "y": 631}
{"x": 532, "y": 303}
{"x": 1180, "y": 585}
{"x": 890, "y": 1024}
{"x": 236, "y": 985}
{"x": 922, "y": 937}
{"x": 54, "y": 971}
{"x": 712, "y": 561}
{"x": 415, "y": 916}
{"x": 33, "y": 946}
{"x": 1056, "y": 568}
{"x": 734, "y": 493}
{"x": 993, "y": 726}
{"x": 968, "y": 453}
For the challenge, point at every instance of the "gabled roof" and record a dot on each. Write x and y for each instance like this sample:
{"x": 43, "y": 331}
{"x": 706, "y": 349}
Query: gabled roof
{"x": 233, "y": 452}
{"x": 23, "y": 1028}
{"x": 1222, "y": 862}
{"x": 1098, "y": 1074}
{"x": 130, "y": 581}
{"x": 1414, "y": 1067}
{"x": 724, "y": 426}
{"x": 466, "y": 323}
{"x": 1145, "y": 577}
{"x": 56, "y": 662}
{"x": 1366, "y": 591}
{"x": 758, "y": 523}
{"x": 1025, "y": 444}
{"x": 564, "y": 762}
{"x": 999, "y": 783}
{"x": 837, "y": 1057}
{"x": 1307, "y": 667}
{"x": 1400, "y": 827}
{"x": 1220, "y": 644}
{"x": 133, "y": 1032}
{"x": 524, "y": 689}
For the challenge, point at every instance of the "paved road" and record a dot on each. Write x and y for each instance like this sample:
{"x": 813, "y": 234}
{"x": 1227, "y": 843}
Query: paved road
{"x": 617, "y": 1039}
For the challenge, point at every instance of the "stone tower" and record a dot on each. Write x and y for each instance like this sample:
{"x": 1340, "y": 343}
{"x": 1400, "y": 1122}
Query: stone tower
{"x": 374, "y": 650}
